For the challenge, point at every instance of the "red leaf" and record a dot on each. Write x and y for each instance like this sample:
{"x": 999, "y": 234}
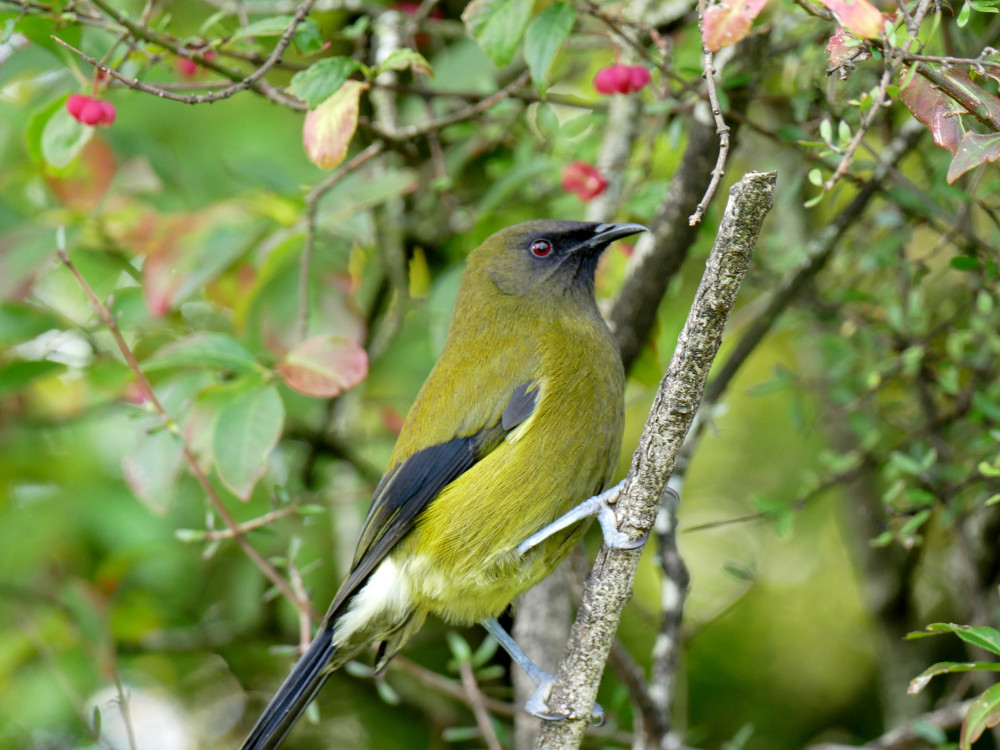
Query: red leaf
{"x": 728, "y": 22}
{"x": 329, "y": 128}
{"x": 859, "y": 17}
{"x": 844, "y": 46}
{"x": 935, "y": 110}
{"x": 975, "y": 149}
{"x": 324, "y": 366}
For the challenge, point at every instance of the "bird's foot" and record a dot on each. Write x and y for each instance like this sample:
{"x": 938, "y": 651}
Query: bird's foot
{"x": 602, "y": 506}
{"x": 537, "y": 704}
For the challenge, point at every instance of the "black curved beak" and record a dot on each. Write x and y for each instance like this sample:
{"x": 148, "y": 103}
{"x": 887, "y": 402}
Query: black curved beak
{"x": 605, "y": 234}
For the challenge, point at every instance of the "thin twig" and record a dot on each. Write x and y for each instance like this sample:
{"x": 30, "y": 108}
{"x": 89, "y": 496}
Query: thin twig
{"x": 721, "y": 129}
{"x": 312, "y": 206}
{"x": 213, "y": 535}
{"x": 893, "y": 64}
{"x": 241, "y": 83}
{"x": 299, "y": 587}
{"x": 475, "y": 698}
{"x": 915, "y": 730}
{"x": 449, "y": 687}
{"x": 59, "y": 675}
{"x": 409, "y": 132}
{"x": 123, "y": 705}
{"x": 303, "y": 605}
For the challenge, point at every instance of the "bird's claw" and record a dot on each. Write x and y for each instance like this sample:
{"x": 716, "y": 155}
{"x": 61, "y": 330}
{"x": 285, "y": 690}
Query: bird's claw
{"x": 537, "y": 705}
{"x": 613, "y": 537}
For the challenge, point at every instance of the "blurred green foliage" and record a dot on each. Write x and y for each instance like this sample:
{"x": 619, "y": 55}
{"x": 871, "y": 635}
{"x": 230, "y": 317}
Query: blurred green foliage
{"x": 870, "y": 413}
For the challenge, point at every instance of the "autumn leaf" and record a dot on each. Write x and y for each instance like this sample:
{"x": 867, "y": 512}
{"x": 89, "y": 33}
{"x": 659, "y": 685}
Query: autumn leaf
{"x": 324, "y": 366}
{"x": 726, "y": 23}
{"x": 934, "y": 110}
{"x": 329, "y": 128}
{"x": 859, "y": 17}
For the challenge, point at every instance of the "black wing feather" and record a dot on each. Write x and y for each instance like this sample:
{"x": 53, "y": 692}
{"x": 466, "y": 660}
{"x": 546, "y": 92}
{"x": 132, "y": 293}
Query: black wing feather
{"x": 399, "y": 499}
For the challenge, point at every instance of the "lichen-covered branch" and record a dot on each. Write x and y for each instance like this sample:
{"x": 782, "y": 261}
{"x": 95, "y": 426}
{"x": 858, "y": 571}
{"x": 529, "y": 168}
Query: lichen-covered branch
{"x": 609, "y": 585}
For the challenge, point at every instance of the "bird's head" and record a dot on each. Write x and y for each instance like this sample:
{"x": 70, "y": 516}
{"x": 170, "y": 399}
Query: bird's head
{"x": 546, "y": 257}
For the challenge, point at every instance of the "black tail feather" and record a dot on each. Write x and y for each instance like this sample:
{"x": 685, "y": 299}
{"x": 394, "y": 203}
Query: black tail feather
{"x": 294, "y": 695}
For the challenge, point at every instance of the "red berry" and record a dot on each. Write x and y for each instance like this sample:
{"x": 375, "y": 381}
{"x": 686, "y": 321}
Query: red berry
{"x": 74, "y": 105}
{"x": 584, "y": 180}
{"x": 621, "y": 79}
{"x": 638, "y": 77}
{"x": 186, "y": 68}
{"x": 108, "y": 113}
{"x": 91, "y": 113}
{"x": 611, "y": 80}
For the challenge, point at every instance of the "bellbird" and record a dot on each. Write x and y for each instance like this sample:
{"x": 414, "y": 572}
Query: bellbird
{"x": 519, "y": 421}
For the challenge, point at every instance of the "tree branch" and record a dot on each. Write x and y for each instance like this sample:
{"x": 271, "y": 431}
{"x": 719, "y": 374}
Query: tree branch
{"x": 610, "y": 583}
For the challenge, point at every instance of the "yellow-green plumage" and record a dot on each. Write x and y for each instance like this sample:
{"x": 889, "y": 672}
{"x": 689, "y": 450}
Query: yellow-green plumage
{"x": 519, "y": 421}
{"x": 563, "y": 453}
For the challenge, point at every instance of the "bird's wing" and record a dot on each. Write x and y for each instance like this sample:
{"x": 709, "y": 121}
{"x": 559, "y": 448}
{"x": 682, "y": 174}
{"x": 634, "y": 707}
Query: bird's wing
{"x": 407, "y": 489}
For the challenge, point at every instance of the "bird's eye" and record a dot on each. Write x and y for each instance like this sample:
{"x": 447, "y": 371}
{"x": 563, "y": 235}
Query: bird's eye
{"x": 541, "y": 248}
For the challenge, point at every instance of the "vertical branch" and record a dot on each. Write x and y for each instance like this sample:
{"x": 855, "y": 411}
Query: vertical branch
{"x": 312, "y": 206}
{"x": 721, "y": 129}
{"x": 609, "y": 585}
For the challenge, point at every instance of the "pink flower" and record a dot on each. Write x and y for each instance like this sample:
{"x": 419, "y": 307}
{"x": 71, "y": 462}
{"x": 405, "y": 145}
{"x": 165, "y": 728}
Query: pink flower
{"x": 583, "y": 180}
{"x": 90, "y": 111}
{"x": 621, "y": 79}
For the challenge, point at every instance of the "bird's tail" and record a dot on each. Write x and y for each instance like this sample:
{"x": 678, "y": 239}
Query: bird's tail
{"x": 294, "y": 695}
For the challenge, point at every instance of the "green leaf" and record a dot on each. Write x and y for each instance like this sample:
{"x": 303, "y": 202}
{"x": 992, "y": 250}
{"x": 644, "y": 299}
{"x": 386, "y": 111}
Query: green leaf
{"x": 963, "y": 15}
{"x": 272, "y": 26}
{"x": 16, "y": 375}
{"x": 544, "y": 37}
{"x": 36, "y": 126}
{"x": 152, "y": 466}
{"x": 984, "y": 637}
{"x": 975, "y": 149}
{"x": 919, "y": 682}
{"x": 460, "y": 647}
{"x": 320, "y": 80}
{"x": 987, "y": 406}
{"x": 63, "y": 138}
{"x": 905, "y": 464}
{"x": 20, "y": 323}
{"x": 965, "y": 263}
{"x": 988, "y": 470}
{"x": 308, "y": 38}
{"x": 498, "y": 26}
{"x": 403, "y": 58}
{"x": 247, "y": 429}
{"x": 40, "y": 30}
{"x": 984, "y": 713}
{"x": 216, "y": 350}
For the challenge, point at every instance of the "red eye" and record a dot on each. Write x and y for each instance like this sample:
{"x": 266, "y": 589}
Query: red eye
{"x": 541, "y": 248}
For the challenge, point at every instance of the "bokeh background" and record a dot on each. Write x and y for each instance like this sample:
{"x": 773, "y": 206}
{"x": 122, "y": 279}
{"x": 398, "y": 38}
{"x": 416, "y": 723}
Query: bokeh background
{"x": 842, "y": 495}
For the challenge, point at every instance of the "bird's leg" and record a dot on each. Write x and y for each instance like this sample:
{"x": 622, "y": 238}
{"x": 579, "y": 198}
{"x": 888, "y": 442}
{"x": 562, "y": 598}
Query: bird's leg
{"x": 536, "y": 705}
{"x": 602, "y": 506}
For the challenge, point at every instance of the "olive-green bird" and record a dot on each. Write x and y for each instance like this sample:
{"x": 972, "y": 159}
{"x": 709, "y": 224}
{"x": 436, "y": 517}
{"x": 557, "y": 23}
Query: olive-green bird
{"x": 518, "y": 423}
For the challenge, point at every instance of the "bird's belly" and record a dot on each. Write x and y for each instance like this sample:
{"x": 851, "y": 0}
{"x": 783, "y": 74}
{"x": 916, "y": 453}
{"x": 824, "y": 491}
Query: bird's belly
{"x": 464, "y": 587}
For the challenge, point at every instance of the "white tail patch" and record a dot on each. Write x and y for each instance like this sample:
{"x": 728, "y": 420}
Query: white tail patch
{"x": 386, "y": 596}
